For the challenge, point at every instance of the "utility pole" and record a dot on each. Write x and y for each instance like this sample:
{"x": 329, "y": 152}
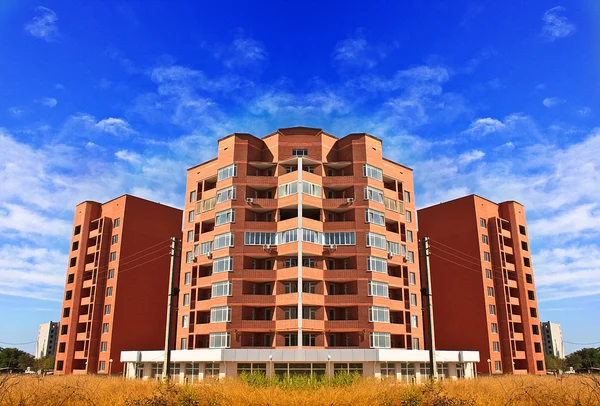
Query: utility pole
{"x": 172, "y": 292}
{"x": 427, "y": 292}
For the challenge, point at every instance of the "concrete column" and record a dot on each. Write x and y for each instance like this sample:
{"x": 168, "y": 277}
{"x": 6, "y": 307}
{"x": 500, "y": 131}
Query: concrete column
{"x": 299, "y": 235}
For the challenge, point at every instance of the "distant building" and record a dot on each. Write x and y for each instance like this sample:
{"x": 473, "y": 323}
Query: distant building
{"x": 46, "y": 341}
{"x": 553, "y": 339}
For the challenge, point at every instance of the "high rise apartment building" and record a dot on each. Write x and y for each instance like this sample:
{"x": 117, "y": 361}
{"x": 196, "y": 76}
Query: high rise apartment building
{"x": 299, "y": 240}
{"x": 47, "y": 340}
{"x": 483, "y": 288}
{"x": 553, "y": 339}
{"x": 116, "y": 285}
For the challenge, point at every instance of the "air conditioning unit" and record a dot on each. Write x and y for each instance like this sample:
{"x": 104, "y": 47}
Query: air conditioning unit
{"x": 249, "y": 200}
{"x": 332, "y": 247}
{"x": 209, "y": 255}
{"x": 404, "y": 259}
{"x": 390, "y": 255}
{"x": 350, "y": 200}
{"x": 267, "y": 246}
{"x": 195, "y": 259}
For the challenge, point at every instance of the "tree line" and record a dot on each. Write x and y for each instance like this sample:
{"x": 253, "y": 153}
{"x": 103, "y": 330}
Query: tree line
{"x": 15, "y": 358}
{"x": 584, "y": 358}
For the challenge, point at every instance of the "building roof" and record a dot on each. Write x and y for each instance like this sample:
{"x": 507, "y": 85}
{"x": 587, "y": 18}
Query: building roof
{"x": 128, "y": 196}
{"x": 471, "y": 196}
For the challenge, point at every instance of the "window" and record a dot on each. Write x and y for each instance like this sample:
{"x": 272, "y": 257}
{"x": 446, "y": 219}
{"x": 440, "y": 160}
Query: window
{"x": 110, "y": 274}
{"x": 103, "y": 346}
{"x": 373, "y": 194}
{"x": 225, "y": 194}
{"x": 498, "y": 366}
{"x": 189, "y": 257}
{"x": 117, "y": 222}
{"x": 485, "y": 239}
{"x": 290, "y": 287}
{"x": 407, "y": 196}
{"x": 211, "y": 369}
{"x": 183, "y": 345}
{"x": 535, "y": 329}
{"x": 68, "y": 294}
{"x": 529, "y": 278}
{"x": 490, "y": 291}
{"x": 524, "y": 246}
{"x": 414, "y": 321}
{"x": 494, "y": 328}
{"x": 206, "y": 248}
{"x": 63, "y": 329}
{"x": 408, "y": 216}
{"x": 109, "y": 291}
{"x": 309, "y": 287}
{"x": 66, "y": 312}
{"x": 379, "y": 340}
{"x": 533, "y": 311}
{"x": 107, "y": 309}
{"x": 288, "y": 236}
{"x": 290, "y": 169}
{"x": 482, "y": 222}
{"x": 345, "y": 368}
{"x": 291, "y": 262}
{"x": 192, "y": 196}
{"x": 311, "y": 189}
{"x": 186, "y": 299}
{"x": 309, "y": 313}
{"x": 372, "y": 172}
{"x": 73, "y": 262}
{"x": 342, "y": 238}
{"x": 113, "y": 256}
{"x": 187, "y": 278}
{"x": 378, "y": 289}
{"x": 379, "y": 314}
{"x": 376, "y": 264}
{"x": 413, "y": 299}
{"x": 225, "y": 216}
{"x": 219, "y": 340}
{"x": 309, "y": 339}
{"x": 410, "y": 257}
{"x": 71, "y": 278}
{"x": 223, "y": 264}
{"x": 227, "y": 172}
{"x": 375, "y": 217}
{"x": 223, "y": 240}
{"x": 259, "y": 238}
{"x": 290, "y": 340}
{"x": 416, "y": 344}
{"x": 221, "y": 289}
{"x": 539, "y": 365}
{"x": 496, "y": 346}
{"x": 488, "y": 274}
{"x": 220, "y": 314}
{"x": 77, "y": 230}
{"x": 531, "y": 295}
{"x": 409, "y": 236}
{"x": 308, "y": 262}
{"x": 522, "y": 230}
{"x": 105, "y": 328}
{"x": 538, "y": 347}
{"x": 290, "y": 313}
{"x": 190, "y": 236}
{"x": 191, "y": 216}
{"x": 493, "y": 310}
{"x": 388, "y": 370}
{"x": 185, "y": 321}
{"x": 527, "y": 262}
{"x": 288, "y": 189}
{"x": 75, "y": 246}
{"x": 394, "y": 247}
{"x": 102, "y": 366}
{"x": 299, "y": 152}
{"x": 61, "y": 347}
{"x": 376, "y": 240}
{"x": 487, "y": 257}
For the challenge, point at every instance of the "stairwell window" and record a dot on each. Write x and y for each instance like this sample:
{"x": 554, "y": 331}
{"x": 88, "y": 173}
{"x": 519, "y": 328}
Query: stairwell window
{"x": 413, "y": 299}
{"x": 190, "y": 236}
{"x": 101, "y": 366}
{"x": 113, "y": 256}
{"x": 412, "y": 278}
{"x": 493, "y": 310}
{"x": 219, "y": 340}
{"x": 408, "y": 216}
{"x": 416, "y": 344}
{"x": 487, "y": 257}
{"x": 105, "y": 328}
{"x": 488, "y": 273}
{"x": 227, "y": 172}
{"x": 409, "y": 236}
{"x": 189, "y": 257}
{"x": 410, "y": 257}
{"x": 496, "y": 346}
{"x": 106, "y": 310}
{"x": 110, "y": 274}
{"x": 485, "y": 239}
{"x": 191, "y": 216}
{"x": 414, "y": 321}
{"x": 482, "y": 222}
{"x": 372, "y": 172}
{"x": 494, "y": 328}
{"x": 114, "y": 239}
{"x": 490, "y": 291}
{"x": 186, "y": 299}
{"x": 103, "y": 346}
{"x": 299, "y": 152}
{"x": 117, "y": 222}
{"x": 187, "y": 278}
{"x": 109, "y": 291}
{"x": 185, "y": 321}
{"x": 498, "y": 366}
{"x": 192, "y": 196}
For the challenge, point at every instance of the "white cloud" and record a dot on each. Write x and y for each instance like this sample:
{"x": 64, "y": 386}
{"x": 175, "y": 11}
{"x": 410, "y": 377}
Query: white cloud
{"x": 20, "y": 220}
{"x": 85, "y": 125}
{"x": 472, "y": 156}
{"x": 43, "y": 25}
{"x": 551, "y": 101}
{"x": 15, "y": 111}
{"x": 555, "y": 25}
{"x": 571, "y": 222}
{"x": 115, "y": 126}
{"x": 584, "y": 111}
{"x": 128, "y": 156}
{"x": 243, "y": 51}
{"x": 485, "y": 126}
{"x": 47, "y": 101}
{"x": 355, "y": 51}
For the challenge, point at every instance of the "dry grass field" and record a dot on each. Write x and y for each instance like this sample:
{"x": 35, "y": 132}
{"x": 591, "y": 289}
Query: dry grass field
{"x": 98, "y": 391}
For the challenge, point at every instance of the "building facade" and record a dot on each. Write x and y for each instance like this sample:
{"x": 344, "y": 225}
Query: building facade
{"x": 553, "y": 339}
{"x": 116, "y": 284}
{"x": 46, "y": 340}
{"x": 483, "y": 290}
{"x": 299, "y": 240}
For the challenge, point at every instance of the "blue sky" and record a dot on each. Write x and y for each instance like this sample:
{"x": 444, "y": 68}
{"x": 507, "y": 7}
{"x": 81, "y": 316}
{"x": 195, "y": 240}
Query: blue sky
{"x": 101, "y": 98}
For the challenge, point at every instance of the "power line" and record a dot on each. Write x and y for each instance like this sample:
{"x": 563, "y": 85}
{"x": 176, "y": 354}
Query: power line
{"x": 569, "y": 342}
{"x": 30, "y": 342}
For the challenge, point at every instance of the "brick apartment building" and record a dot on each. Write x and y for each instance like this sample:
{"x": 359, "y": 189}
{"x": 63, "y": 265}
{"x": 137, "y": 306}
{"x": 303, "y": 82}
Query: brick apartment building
{"x": 299, "y": 255}
{"x": 482, "y": 283}
{"x": 116, "y": 284}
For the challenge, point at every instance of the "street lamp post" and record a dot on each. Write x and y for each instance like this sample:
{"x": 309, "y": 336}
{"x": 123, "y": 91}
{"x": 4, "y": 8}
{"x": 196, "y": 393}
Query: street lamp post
{"x": 270, "y": 366}
{"x": 490, "y": 366}
{"x": 110, "y": 361}
{"x": 329, "y": 366}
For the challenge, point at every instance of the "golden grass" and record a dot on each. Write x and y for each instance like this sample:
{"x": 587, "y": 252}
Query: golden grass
{"x": 99, "y": 391}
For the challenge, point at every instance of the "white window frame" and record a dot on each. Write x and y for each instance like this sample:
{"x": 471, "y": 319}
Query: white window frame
{"x": 191, "y": 216}
{"x": 413, "y": 299}
{"x": 260, "y": 238}
{"x": 377, "y": 264}
{"x": 494, "y": 328}
{"x": 225, "y": 194}
{"x": 372, "y": 172}
{"x": 206, "y": 248}
{"x": 394, "y": 247}
{"x": 185, "y": 321}
{"x": 380, "y": 340}
{"x": 378, "y": 314}
{"x": 186, "y": 299}
{"x": 407, "y": 196}
{"x": 223, "y": 241}
{"x": 379, "y": 289}
{"x": 414, "y": 321}
{"x": 299, "y": 152}
{"x": 492, "y": 309}
{"x": 224, "y": 217}
{"x": 220, "y": 314}
{"x": 190, "y": 236}
{"x": 311, "y": 236}
{"x": 226, "y": 172}
{"x": 219, "y": 340}
{"x": 408, "y": 215}
{"x": 312, "y": 189}
{"x": 223, "y": 288}
{"x": 374, "y": 194}
{"x": 287, "y": 189}
{"x": 375, "y": 240}
{"x": 187, "y": 278}
{"x": 375, "y": 217}
{"x": 223, "y": 264}
{"x": 412, "y": 278}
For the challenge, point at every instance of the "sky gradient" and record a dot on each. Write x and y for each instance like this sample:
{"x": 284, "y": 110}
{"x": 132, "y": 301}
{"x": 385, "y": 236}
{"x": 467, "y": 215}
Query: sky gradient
{"x": 102, "y": 98}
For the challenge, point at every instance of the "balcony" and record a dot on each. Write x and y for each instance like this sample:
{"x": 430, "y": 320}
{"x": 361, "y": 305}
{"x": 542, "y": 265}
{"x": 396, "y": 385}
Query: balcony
{"x": 519, "y": 355}
{"x": 338, "y": 182}
{"x": 253, "y": 325}
{"x": 343, "y": 325}
{"x": 513, "y": 300}
{"x": 517, "y": 336}
{"x": 312, "y": 274}
{"x": 288, "y": 224}
{"x": 93, "y": 233}
{"x": 505, "y": 233}
{"x": 79, "y": 355}
{"x": 389, "y": 328}
{"x": 255, "y": 300}
{"x": 81, "y": 336}
{"x": 286, "y": 299}
{"x": 344, "y": 275}
{"x": 311, "y": 224}
{"x": 87, "y": 283}
{"x": 83, "y": 318}
{"x": 286, "y": 274}
{"x": 509, "y": 266}
{"x": 339, "y": 203}
{"x": 254, "y": 275}
{"x": 332, "y": 226}
{"x": 313, "y": 325}
{"x": 508, "y": 250}
{"x": 515, "y": 318}
{"x": 260, "y": 226}
{"x": 312, "y": 299}
{"x": 283, "y": 325}
{"x": 89, "y": 266}
{"x": 512, "y": 283}
{"x": 91, "y": 250}
{"x": 346, "y": 300}
{"x": 85, "y": 301}
{"x": 261, "y": 182}
{"x": 263, "y": 203}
